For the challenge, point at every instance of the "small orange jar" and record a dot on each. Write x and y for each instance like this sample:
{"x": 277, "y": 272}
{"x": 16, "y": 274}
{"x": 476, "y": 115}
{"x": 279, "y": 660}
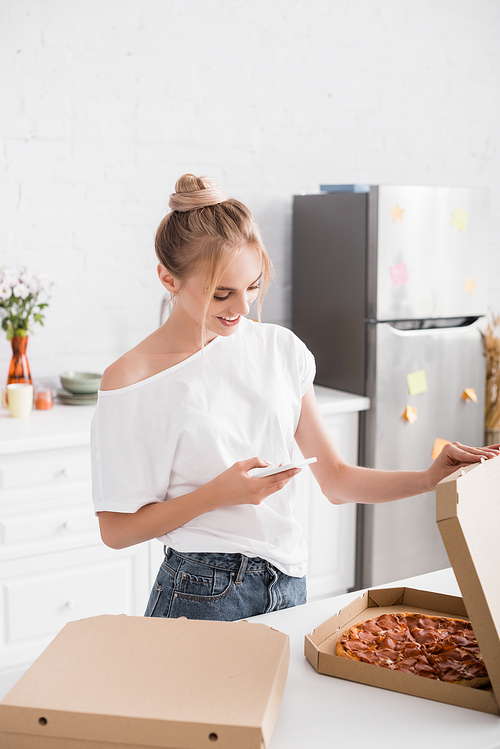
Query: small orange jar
{"x": 43, "y": 400}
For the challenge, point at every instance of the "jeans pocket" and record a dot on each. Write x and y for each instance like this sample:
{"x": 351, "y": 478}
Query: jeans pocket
{"x": 212, "y": 585}
{"x": 195, "y": 585}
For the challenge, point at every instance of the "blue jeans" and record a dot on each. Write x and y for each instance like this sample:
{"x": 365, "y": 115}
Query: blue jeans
{"x": 222, "y": 587}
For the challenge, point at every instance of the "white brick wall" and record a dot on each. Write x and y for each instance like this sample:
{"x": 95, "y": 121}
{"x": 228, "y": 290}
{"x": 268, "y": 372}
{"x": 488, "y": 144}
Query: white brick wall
{"x": 104, "y": 103}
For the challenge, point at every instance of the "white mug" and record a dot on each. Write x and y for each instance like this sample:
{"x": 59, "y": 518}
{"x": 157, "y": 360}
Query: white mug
{"x": 18, "y": 398}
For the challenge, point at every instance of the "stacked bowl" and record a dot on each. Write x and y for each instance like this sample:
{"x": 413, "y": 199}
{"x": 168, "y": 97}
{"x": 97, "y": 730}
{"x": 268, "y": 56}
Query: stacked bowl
{"x": 80, "y": 388}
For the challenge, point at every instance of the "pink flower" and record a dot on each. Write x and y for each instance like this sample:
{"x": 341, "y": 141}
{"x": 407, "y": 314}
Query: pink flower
{"x": 23, "y": 299}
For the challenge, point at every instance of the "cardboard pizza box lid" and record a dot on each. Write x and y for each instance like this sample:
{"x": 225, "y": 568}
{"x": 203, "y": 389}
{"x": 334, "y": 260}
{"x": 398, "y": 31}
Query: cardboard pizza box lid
{"x": 468, "y": 518}
{"x": 148, "y": 682}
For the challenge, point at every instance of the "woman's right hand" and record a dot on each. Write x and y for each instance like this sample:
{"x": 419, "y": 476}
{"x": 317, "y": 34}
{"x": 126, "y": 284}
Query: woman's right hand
{"x": 235, "y": 487}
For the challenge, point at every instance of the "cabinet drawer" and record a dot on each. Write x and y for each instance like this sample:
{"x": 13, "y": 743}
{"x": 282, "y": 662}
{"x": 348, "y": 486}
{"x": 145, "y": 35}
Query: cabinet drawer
{"x": 38, "y": 596}
{"x": 42, "y": 604}
{"x": 42, "y": 528}
{"x": 44, "y": 467}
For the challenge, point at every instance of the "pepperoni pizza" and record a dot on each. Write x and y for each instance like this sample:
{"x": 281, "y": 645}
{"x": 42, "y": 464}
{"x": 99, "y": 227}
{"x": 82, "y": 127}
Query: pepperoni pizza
{"x": 436, "y": 647}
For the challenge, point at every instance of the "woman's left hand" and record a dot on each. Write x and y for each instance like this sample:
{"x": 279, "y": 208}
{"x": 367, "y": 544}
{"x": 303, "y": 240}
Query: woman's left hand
{"x": 454, "y": 456}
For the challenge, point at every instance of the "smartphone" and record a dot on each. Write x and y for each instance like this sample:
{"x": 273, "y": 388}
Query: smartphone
{"x": 271, "y": 470}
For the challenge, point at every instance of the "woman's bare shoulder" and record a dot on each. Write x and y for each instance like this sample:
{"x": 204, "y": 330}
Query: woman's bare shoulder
{"x": 127, "y": 370}
{"x": 150, "y": 357}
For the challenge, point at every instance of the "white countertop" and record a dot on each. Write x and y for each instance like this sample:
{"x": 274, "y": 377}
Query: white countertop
{"x": 64, "y": 426}
{"x": 321, "y": 712}
{"x": 60, "y": 426}
{"x": 337, "y": 401}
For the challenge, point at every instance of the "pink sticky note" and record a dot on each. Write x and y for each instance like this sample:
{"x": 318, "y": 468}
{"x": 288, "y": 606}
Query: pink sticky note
{"x": 399, "y": 274}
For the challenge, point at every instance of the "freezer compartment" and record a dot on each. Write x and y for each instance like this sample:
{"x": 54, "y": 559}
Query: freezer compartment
{"x": 424, "y": 374}
{"x": 399, "y": 252}
{"x": 432, "y": 248}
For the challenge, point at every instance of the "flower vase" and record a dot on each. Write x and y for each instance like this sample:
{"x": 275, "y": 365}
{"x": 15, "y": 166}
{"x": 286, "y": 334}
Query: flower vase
{"x": 19, "y": 370}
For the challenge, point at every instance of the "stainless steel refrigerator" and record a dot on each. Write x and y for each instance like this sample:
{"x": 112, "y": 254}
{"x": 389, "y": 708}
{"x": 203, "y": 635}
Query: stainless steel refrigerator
{"x": 389, "y": 285}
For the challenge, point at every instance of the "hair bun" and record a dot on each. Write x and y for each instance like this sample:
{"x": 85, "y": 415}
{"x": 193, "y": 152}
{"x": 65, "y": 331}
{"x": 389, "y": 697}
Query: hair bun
{"x": 195, "y": 192}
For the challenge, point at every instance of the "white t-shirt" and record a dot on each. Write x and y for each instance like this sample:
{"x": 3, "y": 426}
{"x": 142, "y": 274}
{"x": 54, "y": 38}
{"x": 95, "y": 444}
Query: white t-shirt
{"x": 173, "y": 432}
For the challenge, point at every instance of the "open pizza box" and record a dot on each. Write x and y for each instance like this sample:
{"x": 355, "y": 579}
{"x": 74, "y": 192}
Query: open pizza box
{"x": 468, "y": 517}
{"x": 137, "y": 683}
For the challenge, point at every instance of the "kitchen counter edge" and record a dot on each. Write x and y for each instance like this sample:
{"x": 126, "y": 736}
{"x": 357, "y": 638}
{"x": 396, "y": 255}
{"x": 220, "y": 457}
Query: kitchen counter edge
{"x": 67, "y": 426}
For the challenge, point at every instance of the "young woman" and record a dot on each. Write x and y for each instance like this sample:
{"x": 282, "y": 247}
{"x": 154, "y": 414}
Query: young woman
{"x": 209, "y": 395}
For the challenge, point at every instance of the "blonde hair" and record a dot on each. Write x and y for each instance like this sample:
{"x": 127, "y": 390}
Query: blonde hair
{"x": 204, "y": 231}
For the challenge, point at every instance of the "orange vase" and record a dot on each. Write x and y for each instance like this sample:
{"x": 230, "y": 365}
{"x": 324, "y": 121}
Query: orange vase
{"x": 19, "y": 370}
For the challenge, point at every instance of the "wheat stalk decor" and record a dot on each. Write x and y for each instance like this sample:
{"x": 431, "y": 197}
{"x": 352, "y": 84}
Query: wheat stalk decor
{"x": 491, "y": 338}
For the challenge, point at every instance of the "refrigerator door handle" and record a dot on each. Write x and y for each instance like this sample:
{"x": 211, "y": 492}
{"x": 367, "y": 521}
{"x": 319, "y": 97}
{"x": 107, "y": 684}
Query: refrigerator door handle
{"x": 399, "y": 329}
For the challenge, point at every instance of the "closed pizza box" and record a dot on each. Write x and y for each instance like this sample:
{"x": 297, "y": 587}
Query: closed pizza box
{"x": 137, "y": 683}
{"x": 468, "y": 517}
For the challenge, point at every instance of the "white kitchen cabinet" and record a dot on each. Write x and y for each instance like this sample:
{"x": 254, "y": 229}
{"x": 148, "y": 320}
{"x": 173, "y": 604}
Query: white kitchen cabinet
{"x": 39, "y": 595}
{"x": 330, "y": 530}
{"x": 53, "y": 564}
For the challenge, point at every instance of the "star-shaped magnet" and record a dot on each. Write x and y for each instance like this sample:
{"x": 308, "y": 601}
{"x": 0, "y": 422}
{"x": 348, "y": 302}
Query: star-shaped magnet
{"x": 410, "y": 414}
{"x": 469, "y": 394}
{"x": 397, "y": 214}
{"x": 469, "y": 285}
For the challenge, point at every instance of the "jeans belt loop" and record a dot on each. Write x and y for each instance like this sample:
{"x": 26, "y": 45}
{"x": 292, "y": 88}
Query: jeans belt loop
{"x": 242, "y": 569}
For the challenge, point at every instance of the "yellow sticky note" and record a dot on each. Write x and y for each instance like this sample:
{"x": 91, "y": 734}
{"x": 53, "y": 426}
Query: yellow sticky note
{"x": 417, "y": 382}
{"x": 438, "y": 446}
{"x": 459, "y": 219}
